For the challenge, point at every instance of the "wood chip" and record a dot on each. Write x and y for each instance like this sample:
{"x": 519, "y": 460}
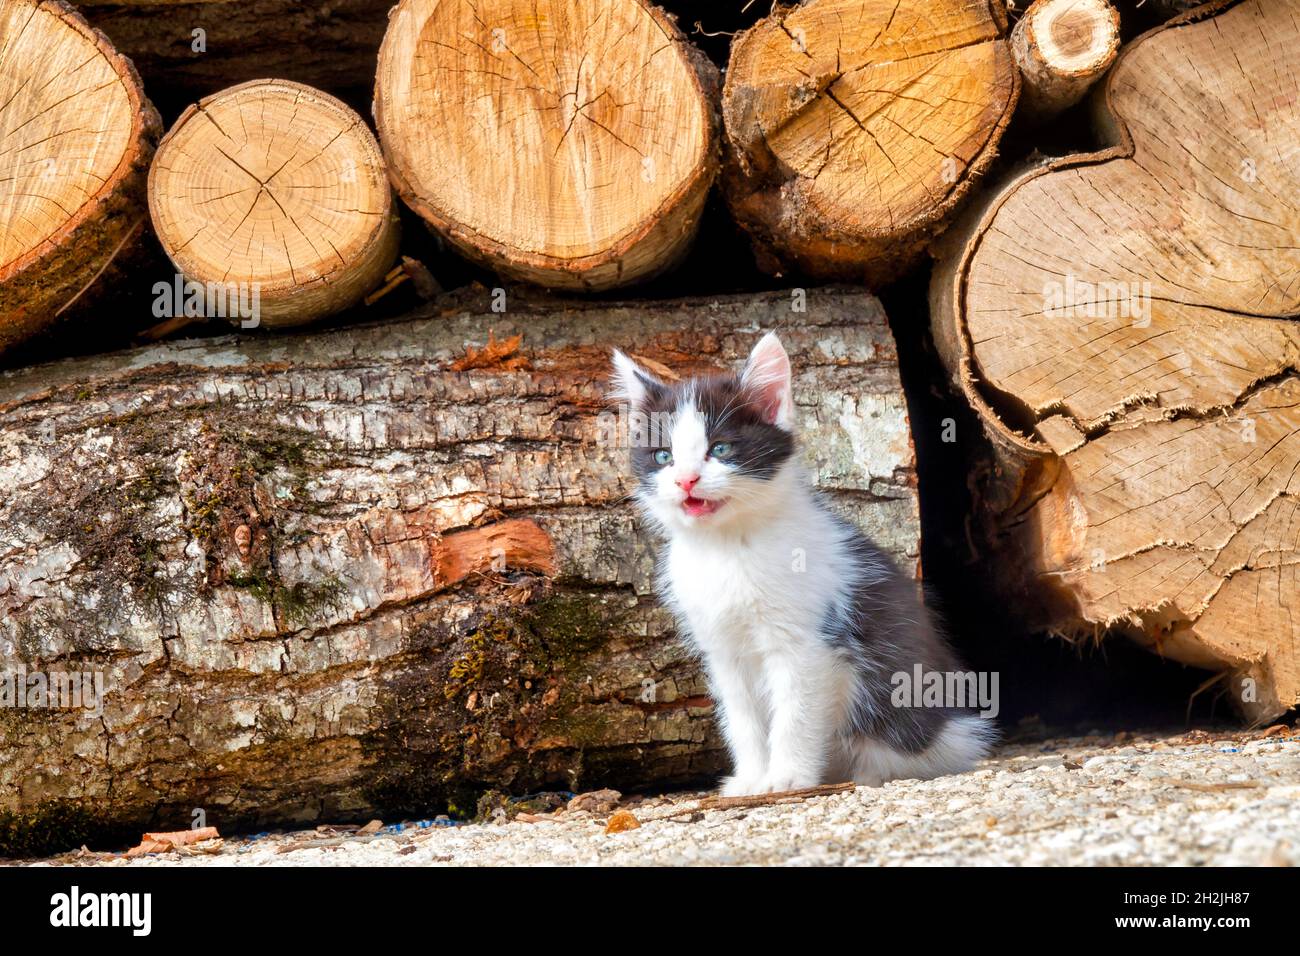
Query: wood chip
{"x": 621, "y": 821}
{"x": 659, "y": 368}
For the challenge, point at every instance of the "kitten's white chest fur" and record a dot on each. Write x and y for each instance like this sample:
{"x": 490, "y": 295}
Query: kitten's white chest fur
{"x": 742, "y": 589}
{"x": 751, "y": 603}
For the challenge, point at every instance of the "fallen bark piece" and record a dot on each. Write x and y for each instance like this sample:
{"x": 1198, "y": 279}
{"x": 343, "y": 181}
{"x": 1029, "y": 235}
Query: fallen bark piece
{"x": 271, "y": 199}
{"x": 1119, "y": 323}
{"x": 1062, "y": 47}
{"x": 854, "y": 128}
{"x": 503, "y": 354}
{"x": 166, "y": 842}
{"x": 569, "y": 144}
{"x": 597, "y": 801}
{"x": 77, "y": 137}
{"x": 329, "y": 576}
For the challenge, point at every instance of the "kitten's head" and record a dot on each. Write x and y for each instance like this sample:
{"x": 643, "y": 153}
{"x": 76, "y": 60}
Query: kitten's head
{"x": 711, "y": 452}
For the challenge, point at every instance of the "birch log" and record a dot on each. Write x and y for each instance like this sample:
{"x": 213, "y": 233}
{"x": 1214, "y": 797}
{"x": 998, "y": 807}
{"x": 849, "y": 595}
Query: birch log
{"x": 76, "y": 134}
{"x": 273, "y": 196}
{"x": 854, "y": 128}
{"x": 1124, "y": 323}
{"x": 568, "y": 144}
{"x": 375, "y": 571}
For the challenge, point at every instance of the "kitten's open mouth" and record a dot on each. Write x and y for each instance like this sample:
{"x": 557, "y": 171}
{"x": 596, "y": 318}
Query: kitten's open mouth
{"x": 695, "y": 507}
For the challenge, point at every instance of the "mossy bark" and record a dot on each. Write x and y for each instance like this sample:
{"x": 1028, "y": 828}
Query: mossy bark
{"x": 327, "y": 576}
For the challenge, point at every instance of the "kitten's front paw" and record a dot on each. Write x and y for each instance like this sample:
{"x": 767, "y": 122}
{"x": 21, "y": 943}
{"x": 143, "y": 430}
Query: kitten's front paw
{"x": 778, "y": 782}
{"x": 741, "y": 785}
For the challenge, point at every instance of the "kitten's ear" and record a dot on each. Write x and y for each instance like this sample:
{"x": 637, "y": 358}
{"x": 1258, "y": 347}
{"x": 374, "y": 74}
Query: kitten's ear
{"x": 767, "y": 375}
{"x": 632, "y": 383}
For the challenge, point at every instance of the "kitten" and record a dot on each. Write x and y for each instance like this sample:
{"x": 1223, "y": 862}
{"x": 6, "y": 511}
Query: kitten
{"x": 800, "y": 620}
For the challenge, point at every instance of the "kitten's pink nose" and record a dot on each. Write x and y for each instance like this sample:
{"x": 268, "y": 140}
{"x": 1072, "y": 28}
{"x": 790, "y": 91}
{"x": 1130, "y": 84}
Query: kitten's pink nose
{"x": 687, "y": 482}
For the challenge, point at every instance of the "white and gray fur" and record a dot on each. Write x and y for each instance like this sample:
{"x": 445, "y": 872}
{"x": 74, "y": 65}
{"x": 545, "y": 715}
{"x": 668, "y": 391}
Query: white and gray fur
{"x": 799, "y": 619}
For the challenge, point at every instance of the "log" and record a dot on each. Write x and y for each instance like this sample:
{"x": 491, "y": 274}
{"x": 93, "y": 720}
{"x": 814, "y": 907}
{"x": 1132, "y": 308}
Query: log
{"x": 571, "y": 145}
{"x": 189, "y": 49}
{"x": 327, "y": 576}
{"x": 1123, "y": 325}
{"x": 854, "y": 129}
{"x": 271, "y": 199}
{"x": 1174, "y": 8}
{"x": 78, "y": 134}
{"x": 1062, "y": 47}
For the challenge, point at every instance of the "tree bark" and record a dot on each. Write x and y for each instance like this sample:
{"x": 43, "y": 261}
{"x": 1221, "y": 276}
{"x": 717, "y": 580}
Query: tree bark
{"x": 1062, "y": 47}
{"x": 571, "y": 145}
{"x": 377, "y": 570}
{"x": 188, "y": 50}
{"x": 79, "y": 134}
{"x": 273, "y": 194}
{"x": 1175, "y": 8}
{"x": 1122, "y": 325}
{"x": 854, "y": 129}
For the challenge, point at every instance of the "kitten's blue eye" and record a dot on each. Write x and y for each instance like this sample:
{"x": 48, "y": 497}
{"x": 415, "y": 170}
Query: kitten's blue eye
{"x": 721, "y": 449}
{"x": 663, "y": 457}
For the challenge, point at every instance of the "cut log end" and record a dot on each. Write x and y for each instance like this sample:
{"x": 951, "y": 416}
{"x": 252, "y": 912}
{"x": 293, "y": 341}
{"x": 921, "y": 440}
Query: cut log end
{"x": 276, "y": 191}
{"x": 1062, "y": 47}
{"x": 78, "y": 133}
{"x": 1117, "y": 322}
{"x": 567, "y": 144}
{"x": 855, "y": 128}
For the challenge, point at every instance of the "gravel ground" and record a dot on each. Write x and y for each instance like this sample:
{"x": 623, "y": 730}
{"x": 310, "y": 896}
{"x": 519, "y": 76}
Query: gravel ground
{"x": 1196, "y": 798}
